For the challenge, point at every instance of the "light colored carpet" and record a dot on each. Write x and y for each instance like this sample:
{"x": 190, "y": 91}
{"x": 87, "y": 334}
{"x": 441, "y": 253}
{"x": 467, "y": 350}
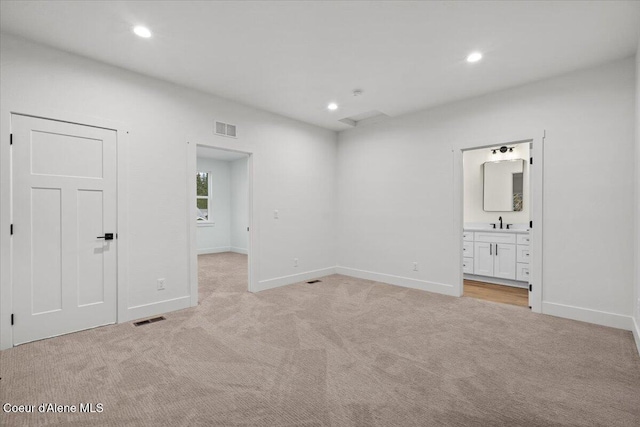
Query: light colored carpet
{"x": 343, "y": 352}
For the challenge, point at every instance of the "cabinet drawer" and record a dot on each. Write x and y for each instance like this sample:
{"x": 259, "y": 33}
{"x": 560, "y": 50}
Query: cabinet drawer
{"x": 523, "y": 254}
{"x": 467, "y": 236}
{"x": 522, "y": 272}
{"x": 523, "y": 239}
{"x": 467, "y": 249}
{"x": 467, "y": 265}
{"x": 495, "y": 237}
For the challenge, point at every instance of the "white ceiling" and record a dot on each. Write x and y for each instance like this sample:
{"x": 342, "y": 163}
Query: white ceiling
{"x": 218, "y": 154}
{"x": 293, "y": 58}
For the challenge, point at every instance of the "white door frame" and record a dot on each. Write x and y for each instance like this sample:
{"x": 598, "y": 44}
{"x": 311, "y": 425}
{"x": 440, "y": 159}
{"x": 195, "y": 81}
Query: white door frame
{"x": 6, "y": 208}
{"x": 192, "y": 226}
{"x": 536, "y": 138}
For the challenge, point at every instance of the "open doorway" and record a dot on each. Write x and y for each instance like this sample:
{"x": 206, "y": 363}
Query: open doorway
{"x": 497, "y": 216}
{"x": 222, "y": 221}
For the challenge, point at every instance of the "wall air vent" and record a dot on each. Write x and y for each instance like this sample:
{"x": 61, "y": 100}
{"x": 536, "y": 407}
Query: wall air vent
{"x": 225, "y": 129}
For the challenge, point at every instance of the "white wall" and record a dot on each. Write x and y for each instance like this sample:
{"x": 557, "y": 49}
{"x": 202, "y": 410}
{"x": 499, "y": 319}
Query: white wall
{"x": 474, "y": 181}
{"x": 637, "y": 215}
{"x": 215, "y": 236}
{"x": 395, "y": 182}
{"x": 239, "y": 206}
{"x": 293, "y": 167}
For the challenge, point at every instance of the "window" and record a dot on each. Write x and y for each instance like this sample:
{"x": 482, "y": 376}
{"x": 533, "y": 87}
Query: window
{"x": 203, "y": 196}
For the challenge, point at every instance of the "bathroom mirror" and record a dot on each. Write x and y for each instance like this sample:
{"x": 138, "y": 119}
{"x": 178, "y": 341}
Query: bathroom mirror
{"x": 503, "y": 186}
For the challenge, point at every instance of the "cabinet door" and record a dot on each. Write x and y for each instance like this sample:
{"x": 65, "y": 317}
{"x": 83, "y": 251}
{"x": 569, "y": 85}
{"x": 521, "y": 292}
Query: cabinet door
{"x": 504, "y": 256}
{"x": 483, "y": 259}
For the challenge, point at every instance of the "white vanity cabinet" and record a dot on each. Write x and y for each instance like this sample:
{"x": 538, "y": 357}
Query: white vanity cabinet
{"x": 498, "y": 254}
{"x": 495, "y": 260}
{"x": 467, "y": 252}
{"x": 523, "y": 257}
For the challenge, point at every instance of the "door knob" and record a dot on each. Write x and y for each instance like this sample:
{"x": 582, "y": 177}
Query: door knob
{"x": 107, "y": 236}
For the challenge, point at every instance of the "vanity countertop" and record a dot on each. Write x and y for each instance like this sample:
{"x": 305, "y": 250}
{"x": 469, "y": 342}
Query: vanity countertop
{"x": 498, "y": 230}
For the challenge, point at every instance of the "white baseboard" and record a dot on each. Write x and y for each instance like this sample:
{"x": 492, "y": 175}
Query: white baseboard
{"x": 406, "y": 282}
{"x": 603, "y": 318}
{"x": 636, "y": 333}
{"x": 155, "y": 308}
{"x": 238, "y": 250}
{"x": 214, "y": 250}
{"x": 263, "y": 285}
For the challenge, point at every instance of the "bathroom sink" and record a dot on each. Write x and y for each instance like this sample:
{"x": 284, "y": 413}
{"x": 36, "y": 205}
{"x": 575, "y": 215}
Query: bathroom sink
{"x": 497, "y": 230}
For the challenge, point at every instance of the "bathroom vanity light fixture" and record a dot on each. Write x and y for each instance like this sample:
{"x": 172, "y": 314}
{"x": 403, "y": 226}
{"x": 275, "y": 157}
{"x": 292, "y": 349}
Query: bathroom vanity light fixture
{"x": 502, "y": 149}
{"x": 141, "y": 31}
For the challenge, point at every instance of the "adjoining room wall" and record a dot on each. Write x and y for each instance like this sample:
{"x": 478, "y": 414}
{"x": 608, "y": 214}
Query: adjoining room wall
{"x": 215, "y": 236}
{"x": 239, "y": 206}
{"x": 637, "y": 215}
{"x": 294, "y": 166}
{"x": 395, "y": 181}
{"x": 474, "y": 180}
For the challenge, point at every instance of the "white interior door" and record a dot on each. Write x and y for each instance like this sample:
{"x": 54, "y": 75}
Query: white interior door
{"x": 64, "y": 201}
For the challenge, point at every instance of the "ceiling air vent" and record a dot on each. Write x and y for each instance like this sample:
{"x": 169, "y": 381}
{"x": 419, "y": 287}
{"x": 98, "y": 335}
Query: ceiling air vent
{"x": 366, "y": 117}
{"x": 225, "y": 129}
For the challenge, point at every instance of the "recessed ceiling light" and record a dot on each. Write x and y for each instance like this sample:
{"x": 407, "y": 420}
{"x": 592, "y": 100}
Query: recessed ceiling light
{"x": 142, "y": 31}
{"x": 333, "y": 106}
{"x": 474, "y": 57}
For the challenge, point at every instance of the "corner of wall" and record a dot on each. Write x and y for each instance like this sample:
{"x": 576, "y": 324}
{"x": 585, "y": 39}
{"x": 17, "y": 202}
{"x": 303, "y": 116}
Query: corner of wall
{"x": 636, "y": 333}
{"x": 277, "y": 282}
{"x": 636, "y": 314}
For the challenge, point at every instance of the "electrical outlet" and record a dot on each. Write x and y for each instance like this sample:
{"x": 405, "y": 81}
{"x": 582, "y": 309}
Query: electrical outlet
{"x": 415, "y": 266}
{"x": 295, "y": 262}
{"x": 275, "y": 214}
{"x": 161, "y": 284}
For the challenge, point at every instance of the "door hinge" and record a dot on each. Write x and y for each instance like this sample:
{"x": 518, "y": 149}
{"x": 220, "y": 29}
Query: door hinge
{"x": 10, "y": 139}
{"x": 530, "y": 288}
{"x": 530, "y": 224}
{"x": 530, "y": 160}
{"x": 12, "y": 229}
{"x": 11, "y": 319}
{"x": 247, "y": 228}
